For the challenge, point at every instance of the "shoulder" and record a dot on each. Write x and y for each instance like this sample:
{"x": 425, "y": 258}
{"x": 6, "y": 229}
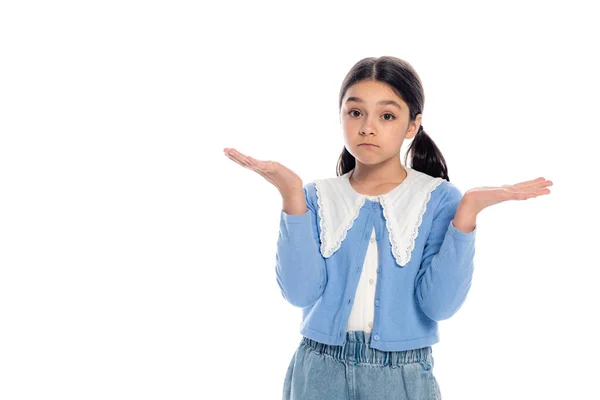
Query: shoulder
{"x": 437, "y": 189}
{"x": 447, "y": 190}
{"x": 311, "y": 189}
{"x": 445, "y": 197}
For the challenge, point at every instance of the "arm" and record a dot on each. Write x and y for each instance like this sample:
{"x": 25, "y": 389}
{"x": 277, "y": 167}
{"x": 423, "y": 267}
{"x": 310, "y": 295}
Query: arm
{"x": 300, "y": 267}
{"x": 446, "y": 270}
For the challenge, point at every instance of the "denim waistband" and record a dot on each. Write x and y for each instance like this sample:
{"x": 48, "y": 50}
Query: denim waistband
{"x": 357, "y": 349}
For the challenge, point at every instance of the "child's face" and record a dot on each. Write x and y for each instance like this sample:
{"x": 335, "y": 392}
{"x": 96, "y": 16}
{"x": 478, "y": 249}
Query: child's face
{"x": 386, "y": 126}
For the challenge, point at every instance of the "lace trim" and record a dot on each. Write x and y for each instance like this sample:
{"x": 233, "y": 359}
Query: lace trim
{"x": 392, "y": 231}
{"x": 347, "y": 224}
{"x": 321, "y": 219}
{"x": 404, "y": 258}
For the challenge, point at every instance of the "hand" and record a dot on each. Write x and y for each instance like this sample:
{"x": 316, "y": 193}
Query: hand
{"x": 284, "y": 179}
{"x": 481, "y": 197}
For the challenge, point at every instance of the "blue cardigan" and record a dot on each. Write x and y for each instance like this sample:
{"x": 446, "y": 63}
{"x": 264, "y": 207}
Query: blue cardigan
{"x": 409, "y": 300}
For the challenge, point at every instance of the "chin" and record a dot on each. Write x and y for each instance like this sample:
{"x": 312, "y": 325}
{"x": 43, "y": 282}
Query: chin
{"x": 369, "y": 160}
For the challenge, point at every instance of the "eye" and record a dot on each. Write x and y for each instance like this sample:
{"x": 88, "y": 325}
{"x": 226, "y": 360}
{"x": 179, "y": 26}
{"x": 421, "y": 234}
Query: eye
{"x": 392, "y": 115}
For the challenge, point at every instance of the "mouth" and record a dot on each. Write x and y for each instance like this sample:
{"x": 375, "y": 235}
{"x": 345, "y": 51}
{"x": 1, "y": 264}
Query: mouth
{"x": 368, "y": 145}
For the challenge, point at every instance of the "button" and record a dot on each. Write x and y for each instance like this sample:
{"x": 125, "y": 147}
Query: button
{"x": 374, "y": 205}
{"x": 377, "y": 302}
{"x": 376, "y": 337}
{"x": 371, "y": 281}
{"x": 379, "y": 269}
{"x": 373, "y": 240}
{"x": 349, "y": 300}
{"x": 370, "y": 324}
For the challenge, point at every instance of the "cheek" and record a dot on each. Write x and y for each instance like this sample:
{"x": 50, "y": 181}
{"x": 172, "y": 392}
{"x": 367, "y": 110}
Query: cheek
{"x": 348, "y": 129}
{"x": 390, "y": 143}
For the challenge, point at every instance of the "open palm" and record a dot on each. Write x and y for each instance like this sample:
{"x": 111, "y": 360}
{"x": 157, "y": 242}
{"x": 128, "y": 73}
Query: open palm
{"x": 283, "y": 178}
{"x": 484, "y": 196}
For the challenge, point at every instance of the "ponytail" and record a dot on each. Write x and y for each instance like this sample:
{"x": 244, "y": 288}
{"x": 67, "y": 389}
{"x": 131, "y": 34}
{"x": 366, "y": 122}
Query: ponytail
{"x": 426, "y": 157}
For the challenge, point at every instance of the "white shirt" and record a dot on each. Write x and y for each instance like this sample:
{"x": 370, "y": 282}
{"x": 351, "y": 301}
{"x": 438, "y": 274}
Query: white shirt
{"x": 363, "y": 309}
{"x": 361, "y": 316}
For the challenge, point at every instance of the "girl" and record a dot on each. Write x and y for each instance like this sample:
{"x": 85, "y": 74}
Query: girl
{"x": 377, "y": 255}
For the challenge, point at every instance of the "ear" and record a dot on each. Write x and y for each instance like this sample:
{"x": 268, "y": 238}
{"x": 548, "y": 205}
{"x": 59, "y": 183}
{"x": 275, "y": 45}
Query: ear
{"x": 413, "y": 128}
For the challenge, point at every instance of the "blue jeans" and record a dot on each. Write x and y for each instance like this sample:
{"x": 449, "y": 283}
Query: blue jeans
{"x": 355, "y": 371}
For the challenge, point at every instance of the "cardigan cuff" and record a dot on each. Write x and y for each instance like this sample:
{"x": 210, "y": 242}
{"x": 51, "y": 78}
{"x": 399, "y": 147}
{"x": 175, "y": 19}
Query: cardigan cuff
{"x": 296, "y": 218}
{"x": 460, "y": 235}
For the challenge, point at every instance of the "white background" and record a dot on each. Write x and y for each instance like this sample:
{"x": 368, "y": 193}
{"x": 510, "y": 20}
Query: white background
{"x": 137, "y": 260}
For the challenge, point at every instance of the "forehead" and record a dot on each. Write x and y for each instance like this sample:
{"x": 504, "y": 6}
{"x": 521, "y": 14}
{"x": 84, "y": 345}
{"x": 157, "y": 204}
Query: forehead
{"x": 372, "y": 92}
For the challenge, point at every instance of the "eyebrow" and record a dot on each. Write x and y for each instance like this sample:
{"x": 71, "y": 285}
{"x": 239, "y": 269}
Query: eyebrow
{"x": 382, "y": 102}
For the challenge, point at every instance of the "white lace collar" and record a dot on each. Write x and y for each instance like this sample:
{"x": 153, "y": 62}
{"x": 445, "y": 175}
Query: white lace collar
{"x": 403, "y": 209}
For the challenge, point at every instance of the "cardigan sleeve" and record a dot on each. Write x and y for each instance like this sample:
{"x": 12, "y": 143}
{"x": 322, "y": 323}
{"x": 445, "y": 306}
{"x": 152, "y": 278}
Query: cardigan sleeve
{"x": 444, "y": 277}
{"x": 300, "y": 268}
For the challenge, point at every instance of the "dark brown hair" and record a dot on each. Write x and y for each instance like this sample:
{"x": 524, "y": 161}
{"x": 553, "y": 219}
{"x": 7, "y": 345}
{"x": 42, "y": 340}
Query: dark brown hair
{"x": 426, "y": 157}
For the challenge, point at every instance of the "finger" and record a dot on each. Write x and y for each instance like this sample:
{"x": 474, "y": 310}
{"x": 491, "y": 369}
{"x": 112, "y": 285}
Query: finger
{"x": 540, "y": 184}
{"x": 525, "y": 183}
{"x": 257, "y": 165}
{"x": 250, "y": 163}
{"x": 531, "y": 189}
{"x": 523, "y": 195}
{"x": 240, "y": 158}
{"x": 541, "y": 191}
{"x": 234, "y": 158}
{"x": 536, "y": 181}
{"x": 237, "y": 155}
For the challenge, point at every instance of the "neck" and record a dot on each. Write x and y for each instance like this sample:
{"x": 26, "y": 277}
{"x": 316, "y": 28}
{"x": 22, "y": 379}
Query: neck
{"x": 378, "y": 174}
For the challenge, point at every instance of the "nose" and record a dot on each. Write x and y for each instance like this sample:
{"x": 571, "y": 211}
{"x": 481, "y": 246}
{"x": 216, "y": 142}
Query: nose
{"x": 364, "y": 131}
{"x": 367, "y": 128}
